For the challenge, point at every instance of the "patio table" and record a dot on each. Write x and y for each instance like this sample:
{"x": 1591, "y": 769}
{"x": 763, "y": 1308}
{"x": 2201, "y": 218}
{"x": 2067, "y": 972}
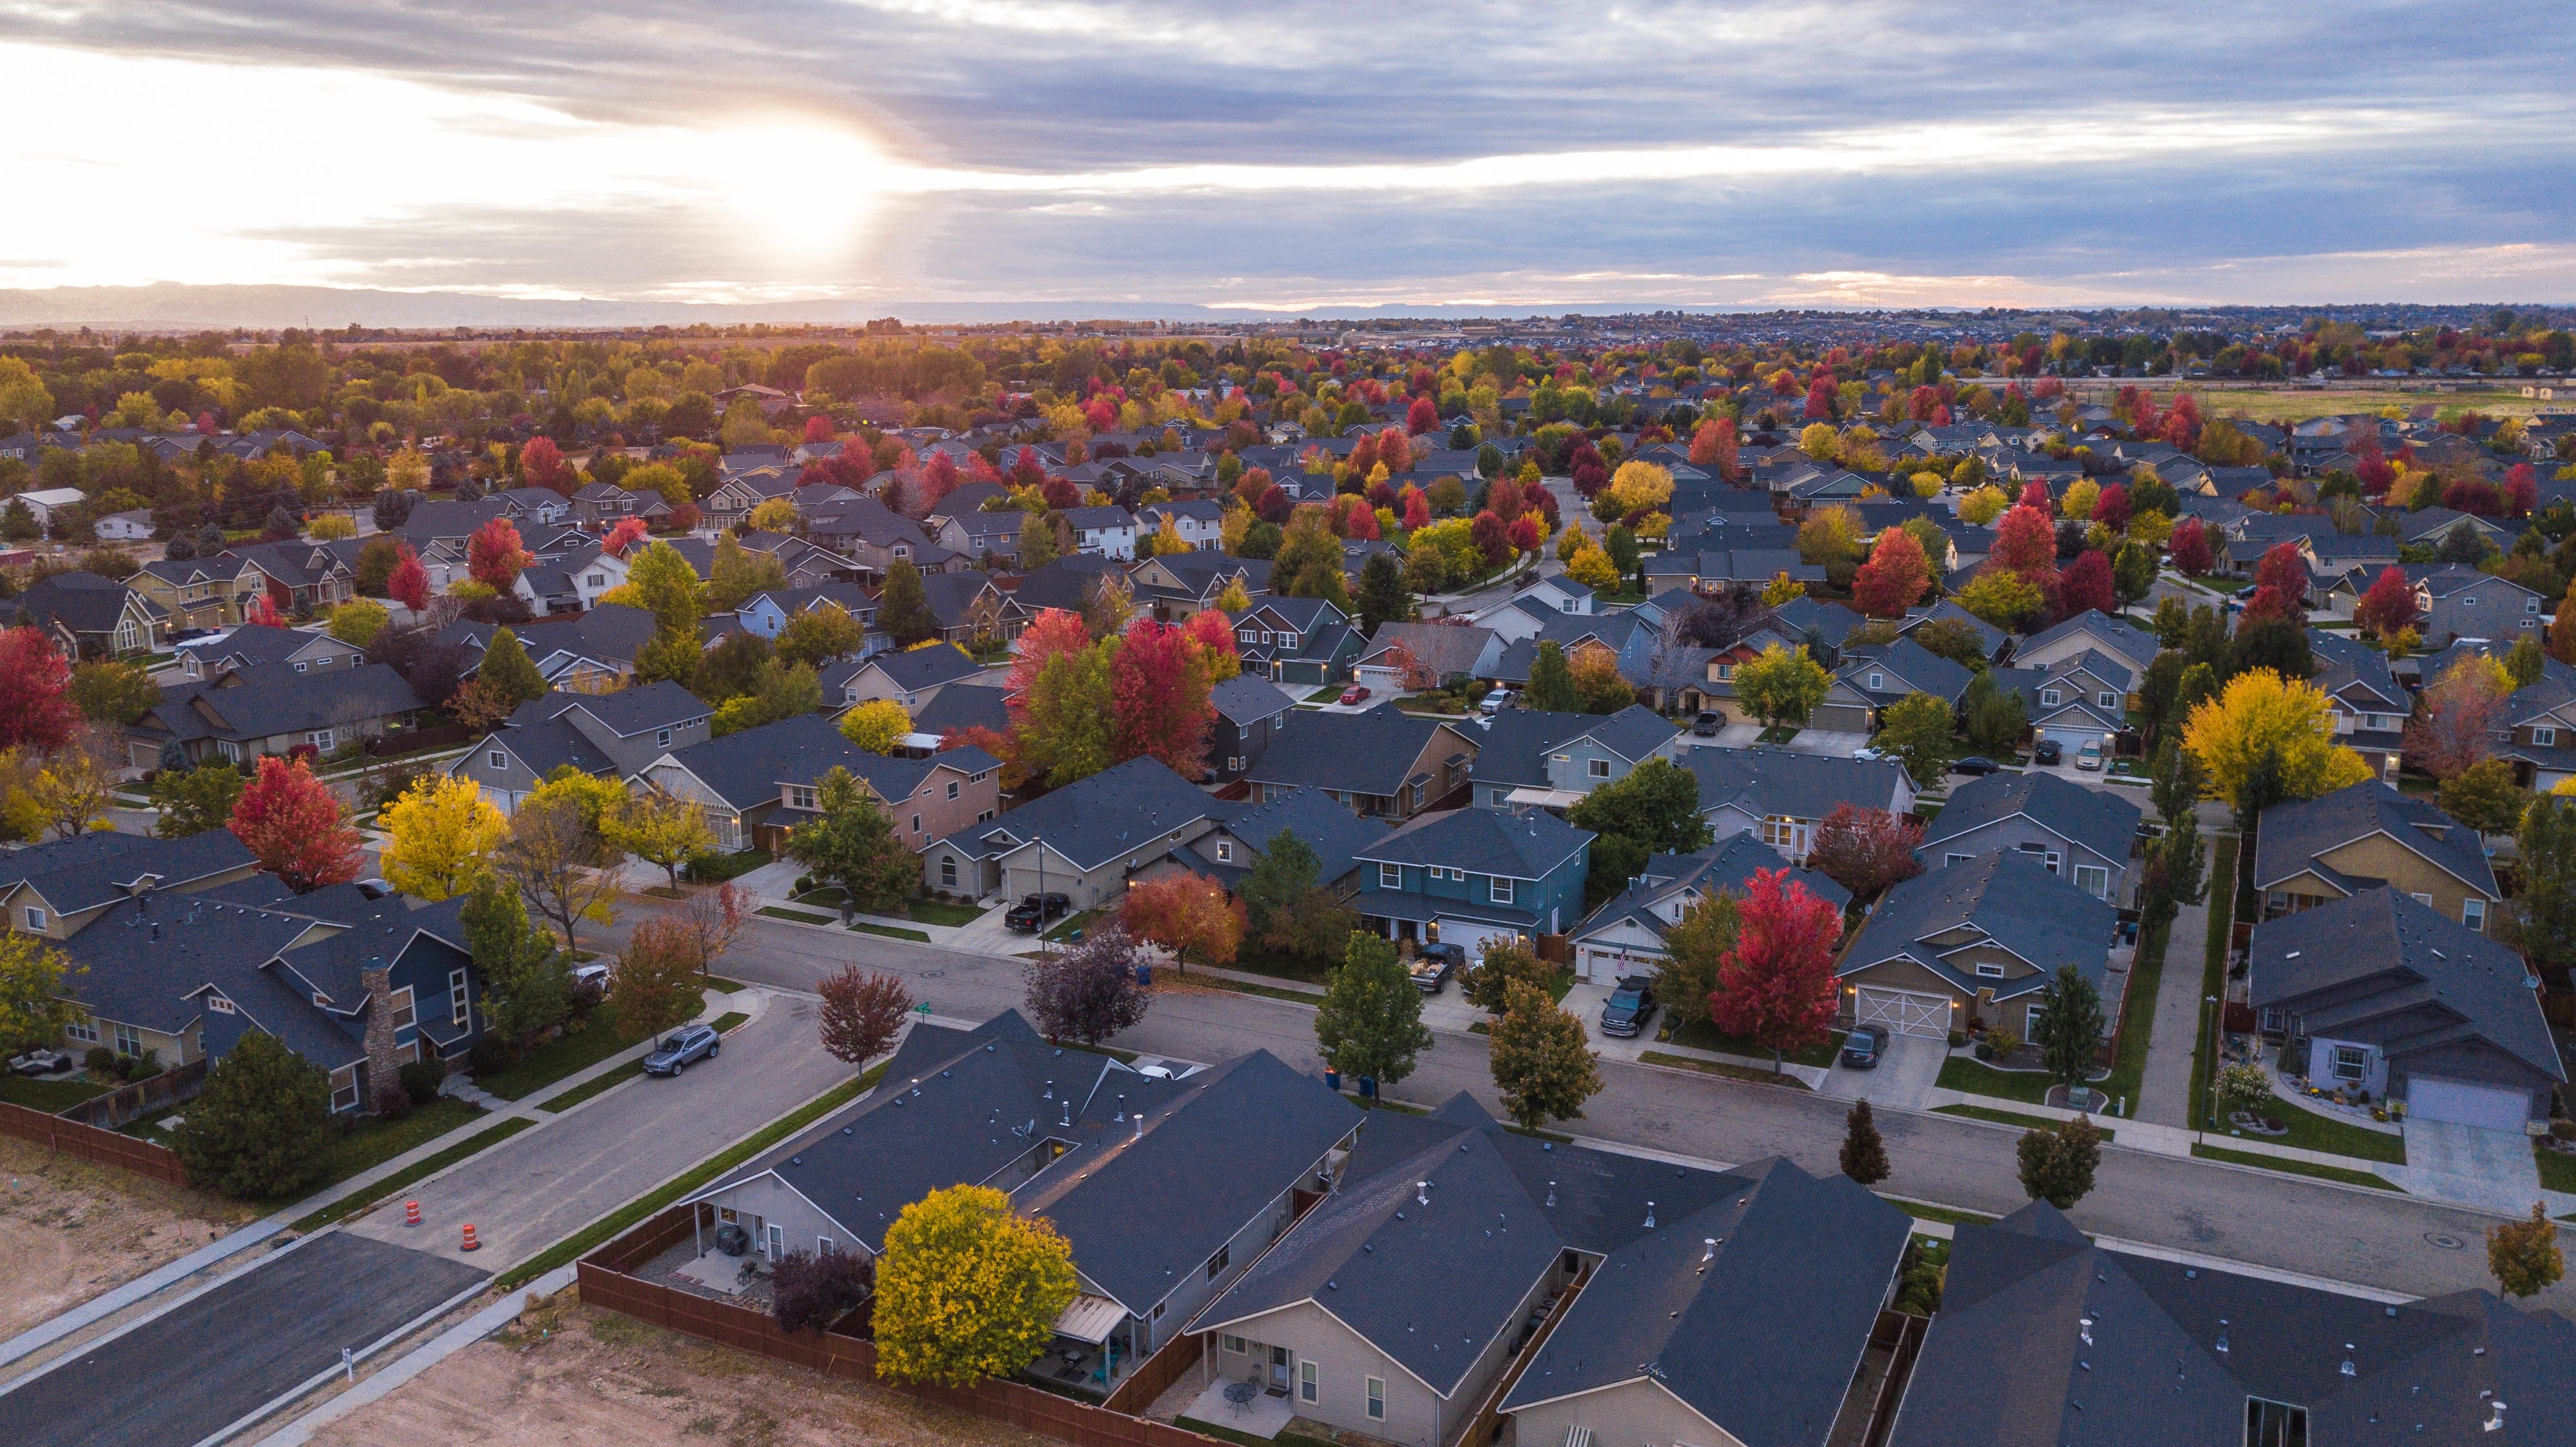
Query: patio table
{"x": 1240, "y": 1394}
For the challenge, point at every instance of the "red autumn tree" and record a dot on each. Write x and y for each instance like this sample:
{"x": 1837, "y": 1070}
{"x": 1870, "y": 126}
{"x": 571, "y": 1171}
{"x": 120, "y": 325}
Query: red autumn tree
{"x": 2521, "y": 490}
{"x": 1776, "y": 986}
{"x": 1188, "y": 914}
{"x": 2034, "y": 493}
{"x": 292, "y": 824}
{"x": 2280, "y": 587}
{"x": 1053, "y": 631}
{"x": 861, "y": 1013}
{"x": 2086, "y": 584}
{"x": 494, "y": 556}
{"x": 627, "y": 533}
{"x": 1422, "y": 416}
{"x": 1059, "y": 493}
{"x": 2111, "y": 509}
{"x": 1866, "y": 850}
{"x": 263, "y": 612}
{"x": 1000, "y": 745}
{"x": 2190, "y": 549}
{"x": 408, "y": 583}
{"x": 1894, "y": 577}
{"x": 542, "y": 464}
{"x": 938, "y": 479}
{"x": 1213, "y": 632}
{"x": 1526, "y": 533}
{"x": 818, "y": 428}
{"x": 2026, "y": 543}
{"x": 2458, "y": 717}
{"x": 36, "y": 710}
{"x": 1489, "y": 534}
{"x": 2389, "y": 605}
{"x": 1158, "y": 691}
{"x": 1417, "y": 508}
{"x": 1027, "y": 468}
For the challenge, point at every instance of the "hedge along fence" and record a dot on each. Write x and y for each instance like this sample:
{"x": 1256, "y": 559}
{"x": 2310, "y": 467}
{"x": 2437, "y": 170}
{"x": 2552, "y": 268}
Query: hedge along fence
{"x": 73, "y": 1138}
{"x": 606, "y": 1283}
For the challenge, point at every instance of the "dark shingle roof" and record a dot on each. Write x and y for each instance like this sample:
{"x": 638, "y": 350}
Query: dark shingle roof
{"x": 2102, "y": 822}
{"x": 1802, "y": 786}
{"x": 1336, "y": 835}
{"x": 2295, "y": 833}
{"x": 748, "y": 767}
{"x": 1484, "y": 841}
{"x": 1122, "y": 808}
{"x": 88, "y": 870}
{"x": 919, "y": 668}
{"x": 268, "y": 699}
{"x": 1516, "y": 746}
{"x": 1367, "y": 753}
{"x": 2012, "y": 899}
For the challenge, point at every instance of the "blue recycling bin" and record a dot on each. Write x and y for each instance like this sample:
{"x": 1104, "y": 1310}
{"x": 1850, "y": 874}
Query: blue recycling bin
{"x": 1144, "y": 973}
{"x": 1332, "y": 1080}
{"x": 1368, "y": 1087}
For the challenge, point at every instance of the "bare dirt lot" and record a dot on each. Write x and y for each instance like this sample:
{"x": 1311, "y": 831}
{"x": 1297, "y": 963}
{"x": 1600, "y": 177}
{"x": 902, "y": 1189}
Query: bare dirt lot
{"x": 70, "y": 1230}
{"x": 564, "y": 1374}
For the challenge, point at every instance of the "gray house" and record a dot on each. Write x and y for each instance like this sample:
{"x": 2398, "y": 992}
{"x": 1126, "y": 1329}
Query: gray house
{"x": 2076, "y": 833}
{"x": 1082, "y": 840}
{"x": 1625, "y": 936}
{"x": 2381, "y": 994}
{"x": 1532, "y": 759}
{"x": 611, "y": 735}
{"x": 1780, "y": 797}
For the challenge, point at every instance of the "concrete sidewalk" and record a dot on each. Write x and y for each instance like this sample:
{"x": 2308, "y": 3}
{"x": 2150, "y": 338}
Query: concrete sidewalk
{"x": 2164, "y": 1089}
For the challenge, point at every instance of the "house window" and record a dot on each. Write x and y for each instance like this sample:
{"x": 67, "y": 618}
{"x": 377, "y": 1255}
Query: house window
{"x": 2473, "y": 913}
{"x": 800, "y": 796}
{"x": 1780, "y": 832}
{"x": 2042, "y": 853}
{"x": 1287, "y": 640}
{"x": 85, "y": 1029}
{"x": 1234, "y": 764}
{"x": 1390, "y": 876}
{"x": 1247, "y": 637}
{"x": 2544, "y": 737}
{"x": 916, "y": 823}
{"x": 1597, "y": 768}
{"x": 2107, "y": 699}
{"x": 2275, "y": 1424}
{"x": 1217, "y": 1263}
{"x": 35, "y": 920}
{"x": 498, "y": 759}
{"x": 2351, "y": 1062}
{"x": 1725, "y": 671}
{"x": 952, "y": 788}
{"x": 2048, "y": 697}
{"x": 1224, "y": 852}
{"x": 2421, "y": 898}
{"x": 1949, "y": 859}
{"x": 1501, "y": 892}
{"x": 344, "y": 1088}
{"x": 2093, "y": 879}
{"x": 662, "y": 738}
{"x": 459, "y": 1007}
{"x": 2469, "y": 601}
{"x": 299, "y": 668}
{"x": 1234, "y": 1345}
{"x": 1990, "y": 972}
{"x": 1308, "y": 1389}
{"x": 321, "y": 739}
{"x": 404, "y": 1012}
{"x": 1499, "y": 796}
{"x": 1377, "y": 1399}
{"x": 129, "y": 1041}
{"x": 1877, "y": 681}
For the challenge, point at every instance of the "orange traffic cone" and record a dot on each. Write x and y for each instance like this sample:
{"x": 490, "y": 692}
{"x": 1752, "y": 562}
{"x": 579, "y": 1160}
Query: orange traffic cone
{"x": 411, "y": 1213}
{"x": 470, "y": 1243}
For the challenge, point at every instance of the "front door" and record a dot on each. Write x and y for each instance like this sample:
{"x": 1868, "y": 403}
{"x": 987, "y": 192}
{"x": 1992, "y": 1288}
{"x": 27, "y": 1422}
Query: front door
{"x": 1279, "y": 1370}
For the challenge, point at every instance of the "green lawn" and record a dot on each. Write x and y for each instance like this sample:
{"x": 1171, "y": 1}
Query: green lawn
{"x": 1946, "y": 1215}
{"x": 2297, "y": 1168}
{"x": 1065, "y": 928}
{"x": 378, "y": 1141}
{"x": 2557, "y": 1169}
{"x": 941, "y": 912}
{"x": 1975, "y": 1077}
{"x": 1276, "y": 992}
{"x": 50, "y": 1096}
{"x": 717, "y": 868}
{"x": 1254, "y": 960}
{"x": 2011, "y": 1117}
{"x": 1702, "y": 1035}
{"x": 719, "y": 982}
{"x": 566, "y": 1054}
{"x": 892, "y": 932}
{"x": 596, "y": 1085}
{"x": 421, "y": 1170}
{"x": 1754, "y": 1073}
{"x": 796, "y": 916}
{"x": 1780, "y": 735}
{"x": 2213, "y": 965}
{"x": 1327, "y": 694}
{"x": 2138, "y": 1018}
{"x": 2310, "y": 1131}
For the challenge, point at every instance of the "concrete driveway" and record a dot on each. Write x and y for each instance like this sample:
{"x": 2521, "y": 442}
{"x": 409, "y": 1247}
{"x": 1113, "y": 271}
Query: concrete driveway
{"x": 1902, "y": 1080}
{"x": 1832, "y": 743}
{"x": 2470, "y": 1165}
{"x": 1732, "y": 736}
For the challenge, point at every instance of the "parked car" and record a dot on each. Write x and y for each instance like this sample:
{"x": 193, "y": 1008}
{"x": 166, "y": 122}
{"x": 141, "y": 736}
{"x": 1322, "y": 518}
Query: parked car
{"x": 1434, "y": 964}
{"x": 1356, "y": 693}
{"x": 1975, "y": 766}
{"x": 1032, "y": 912}
{"x": 592, "y": 977}
{"x": 1494, "y": 702}
{"x": 2046, "y": 751}
{"x": 1863, "y": 1046}
{"x": 1629, "y": 1007}
{"x": 1872, "y": 753}
{"x": 2089, "y": 756}
{"x": 42, "y": 1062}
{"x": 1707, "y": 725}
{"x": 374, "y": 888}
{"x": 682, "y": 1048}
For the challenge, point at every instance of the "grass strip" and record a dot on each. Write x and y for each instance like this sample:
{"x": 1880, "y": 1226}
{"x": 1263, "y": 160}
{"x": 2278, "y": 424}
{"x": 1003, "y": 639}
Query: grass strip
{"x": 892, "y": 932}
{"x": 2013, "y": 1117}
{"x": 796, "y": 916}
{"x": 2297, "y": 1168}
{"x": 2557, "y": 1168}
{"x": 2213, "y": 968}
{"x": 2138, "y": 1016}
{"x": 616, "y": 1223}
{"x": 1246, "y": 987}
{"x": 1975, "y": 1077}
{"x": 381, "y": 1139}
{"x": 1731, "y": 1072}
{"x": 729, "y": 1021}
{"x": 357, "y": 1201}
{"x": 1246, "y": 1439}
{"x": 730, "y": 987}
{"x": 567, "y": 1054}
{"x": 1946, "y": 1215}
{"x": 609, "y": 1080}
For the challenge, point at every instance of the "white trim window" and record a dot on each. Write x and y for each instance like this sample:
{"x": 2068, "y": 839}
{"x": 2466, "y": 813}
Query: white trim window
{"x": 1310, "y": 1387}
{"x": 460, "y": 1005}
{"x": 1390, "y": 876}
{"x": 2351, "y": 1063}
{"x": 2543, "y": 737}
{"x": 2473, "y": 913}
{"x": 1500, "y": 891}
{"x": 2050, "y": 698}
{"x": 1377, "y": 1399}
{"x": 2093, "y": 879}
{"x": 497, "y": 759}
{"x": 35, "y": 920}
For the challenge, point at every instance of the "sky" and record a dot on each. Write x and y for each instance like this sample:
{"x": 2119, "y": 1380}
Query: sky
{"x": 1293, "y": 159}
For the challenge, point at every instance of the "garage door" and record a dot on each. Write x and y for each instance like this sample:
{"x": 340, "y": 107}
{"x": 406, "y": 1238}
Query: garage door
{"x": 1472, "y": 936}
{"x": 2072, "y": 739}
{"x": 1608, "y": 963}
{"x": 2461, "y": 1103}
{"x": 1905, "y": 1012}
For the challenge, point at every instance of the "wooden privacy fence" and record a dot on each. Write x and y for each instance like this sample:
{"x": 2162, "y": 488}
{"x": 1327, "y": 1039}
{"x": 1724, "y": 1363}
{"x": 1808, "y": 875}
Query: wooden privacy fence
{"x": 1903, "y": 1331}
{"x": 73, "y": 1138}
{"x": 127, "y": 1104}
{"x": 606, "y": 1283}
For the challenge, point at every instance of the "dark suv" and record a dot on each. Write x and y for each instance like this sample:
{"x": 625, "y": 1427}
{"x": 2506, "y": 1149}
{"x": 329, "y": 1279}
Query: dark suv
{"x": 1629, "y": 1007}
{"x": 1031, "y": 914}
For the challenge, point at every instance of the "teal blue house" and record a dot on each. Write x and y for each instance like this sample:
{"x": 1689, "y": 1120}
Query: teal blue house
{"x": 1474, "y": 876}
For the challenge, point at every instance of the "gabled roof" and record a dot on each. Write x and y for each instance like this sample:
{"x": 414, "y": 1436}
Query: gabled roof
{"x": 2295, "y": 833}
{"x": 2008, "y": 898}
{"x": 1117, "y": 811}
{"x": 628, "y": 712}
{"x": 1246, "y": 699}
{"x": 750, "y": 767}
{"x": 919, "y": 668}
{"x": 1517, "y": 744}
{"x": 2111, "y": 635}
{"x": 952, "y": 709}
{"x": 1763, "y": 781}
{"x": 268, "y": 699}
{"x": 89, "y": 870}
{"x": 1910, "y": 668}
{"x": 1726, "y": 867}
{"x": 1483, "y": 841}
{"x": 1336, "y": 835}
{"x": 1371, "y": 752}
{"x": 2099, "y": 821}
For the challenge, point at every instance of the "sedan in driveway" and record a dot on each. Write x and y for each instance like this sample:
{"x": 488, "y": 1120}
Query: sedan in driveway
{"x": 1354, "y": 695}
{"x": 2046, "y": 751}
{"x": 681, "y": 1048}
{"x": 1863, "y": 1046}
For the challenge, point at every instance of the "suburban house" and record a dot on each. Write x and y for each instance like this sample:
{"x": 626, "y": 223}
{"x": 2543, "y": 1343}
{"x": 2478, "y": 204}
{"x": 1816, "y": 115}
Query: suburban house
{"x": 760, "y": 783}
{"x": 1472, "y": 877}
{"x": 1978, "y": 941}
{"x": 1529, "y": 611}
{"x": 180, "y": 947}
{"x": 2090, "y": 631}
{"x": 767, "y": 613}
{"x": 2076, "y": 833}
{"x": 271, "y": 708}
{"x": 1625, "y": 936}
{"x": 1104, "y": 531}
{"x": 88, "y": 616}
{"x": 2080, "y": 698}
{"x": 1081, "y": 841}
{"x": 1378, "y": 761}
{"x": 570, "y": 581}
{"x": 298, "y": 577}
{"x": 2369, "y": 705}
{"x": 1887, "y": 673}
{"x": 1405, "y": 656}
{"x": 1178, "y": 585}
{"x": 2454, "y": 601}
{"x": 2314, "y": 851}
{"x": 2379, "y": 994}
{"x": 1335, "y": 835}
{"x": 1199, "y": 522}
{"x": 2045, "y": 1335}
{"x": 1296, "y": 641}
{"x": 1531, "y": 759}
{"x": 197, "y": 593}
{"x": 299, "y": 650}
{"x": 610, "y": 735}
{"x": 911, "y": 677}
{"x": 977, "y": 702}
{"x": 975, "y": 533}
{"x": 1249, "y": 710}
{"x": 1780, "y": 797}
{"x": 1448, "y": 1242}
{"x": 591, "y": 653}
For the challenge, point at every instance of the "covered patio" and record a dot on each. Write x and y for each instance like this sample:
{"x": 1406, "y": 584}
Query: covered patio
{"x": 1094, "y": 1346}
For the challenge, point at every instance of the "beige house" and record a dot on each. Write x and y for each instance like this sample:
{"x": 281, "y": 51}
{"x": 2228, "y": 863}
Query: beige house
{"x": 2315, "y": 851}
{"x": 199, "y": 592}
{"x": 1976, "y": 940}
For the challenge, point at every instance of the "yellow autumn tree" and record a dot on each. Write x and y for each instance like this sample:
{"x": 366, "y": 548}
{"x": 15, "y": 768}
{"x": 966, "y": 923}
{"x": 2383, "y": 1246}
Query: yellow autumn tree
{"x": 877, "y": 725}
{"x": 2273, "y": 732}
{"x": 1638, "y": 485}
{"x": 443, "y": 833}
{"x": 967, "y": 1288}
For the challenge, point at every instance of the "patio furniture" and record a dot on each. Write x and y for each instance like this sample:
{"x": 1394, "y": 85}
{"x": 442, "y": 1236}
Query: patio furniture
{"x": 1239, "y": 1395}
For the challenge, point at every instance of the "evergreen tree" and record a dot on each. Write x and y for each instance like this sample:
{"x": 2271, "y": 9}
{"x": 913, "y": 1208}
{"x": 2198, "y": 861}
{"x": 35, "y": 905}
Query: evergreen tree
{"x": 508, "y": 671}
{"x": 1864, "y": 1154}
{"x": 527, "y": 987}
{"x": 1383, "y": 598}
{"x": 904, "y": 611}
{"x": 260, "y": 1130}
{"x": 1551, "y": 682}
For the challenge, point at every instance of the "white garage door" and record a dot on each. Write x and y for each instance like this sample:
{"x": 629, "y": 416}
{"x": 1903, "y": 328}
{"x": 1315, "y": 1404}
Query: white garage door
{"x": 2461, "y": 1103}
{"x": 1904, "y": 1012}
{"x": 2072, "y": 739}
{"x": 1606, "y": 963}
{"x": 1473, "y": 937}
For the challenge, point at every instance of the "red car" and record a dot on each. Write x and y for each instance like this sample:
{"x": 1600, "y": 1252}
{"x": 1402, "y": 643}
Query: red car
{"x": 1354, "y": 694}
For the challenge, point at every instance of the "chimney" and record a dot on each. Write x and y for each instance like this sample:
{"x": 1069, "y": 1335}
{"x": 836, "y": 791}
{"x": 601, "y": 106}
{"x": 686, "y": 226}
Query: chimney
{"x": 384, "y": 1073}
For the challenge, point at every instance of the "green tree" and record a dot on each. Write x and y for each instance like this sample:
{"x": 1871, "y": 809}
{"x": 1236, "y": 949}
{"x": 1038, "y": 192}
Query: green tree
{"x": 2546, "y": 923}
{"x": 260, "y": 1130}
{"x": 851, "y": 844}
{"x": 1864, "y": 1153}
{"x": 193, "y": 801}
{"x": 114, "y": 694}
{"x": 777, "y": 692}
{"x": 1917, "y": 729}
{"x": 1780, "y": 687}
{"x": 2068, "y": 1031}
{"x": 358, "y": 621}
{"x": 731, "y": 668}
{"x": 2524, "y": 1255}
{"x": 508, "y": 671}
{"x": 736, "y": 575}
{"x": 1696, "y": 947}
{"x": 1370, "y": 1024}
{"x": 904, "y": 611}
{"x": 2485, "y": 797}
{"x": 1551, "y": 682}
{"x": 1383, "y": 596}
{"x": 671, "y": 654}
{"x": 2133, "y": 572}
{"x": 1065, "y": 729}
{"x": 1542, "y": 1064}
{"x": 2057, "y": 1166}
{"x": 665, "y": 584}
{"x": 1038, "y": 545}
{"x": 1489, "y": 985}
{"x": 1995, "y": 715}
{"x": 2527, "y": 660}
{"x": 1280, "y": 874}
{"x": 32, "y": 1008}
{"x": 1653, "y": 809}
{"x": 819, "y": 635}
{"x": 968, "y": 1288}
{"x": 527, "y": 984}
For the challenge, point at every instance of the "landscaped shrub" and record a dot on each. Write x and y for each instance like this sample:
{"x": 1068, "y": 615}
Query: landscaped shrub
{"x": 421, "y": 1079}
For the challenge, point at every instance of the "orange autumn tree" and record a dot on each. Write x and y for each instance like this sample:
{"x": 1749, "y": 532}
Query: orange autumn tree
{"x": 494, "y": 555}
{"x": 1188, "y": 914}
{"x": 1158, "y": 691}
{"x": 1214, "y": 633}
{"x": 293, "y": 825}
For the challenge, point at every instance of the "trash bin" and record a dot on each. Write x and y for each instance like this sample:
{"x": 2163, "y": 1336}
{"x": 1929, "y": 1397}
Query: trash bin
{"x": 1368, "y": 1087}
{"x": 1332, "y": 1080}
{"x": 1144, "y": 973}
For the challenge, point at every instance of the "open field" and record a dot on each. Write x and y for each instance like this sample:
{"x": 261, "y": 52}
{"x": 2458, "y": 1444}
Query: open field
{"x": 564, "y": 1374}
{"x": 2296, "y": 404}
{"x": 70, "y": 1229}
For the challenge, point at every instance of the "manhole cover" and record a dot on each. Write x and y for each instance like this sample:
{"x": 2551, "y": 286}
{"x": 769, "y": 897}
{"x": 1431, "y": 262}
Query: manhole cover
{"x": 2445, "y": 1240}
{"x": 932, "y": 974}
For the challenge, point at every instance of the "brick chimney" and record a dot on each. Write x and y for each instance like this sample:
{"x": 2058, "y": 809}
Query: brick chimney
{"x": 384, "y": 1073}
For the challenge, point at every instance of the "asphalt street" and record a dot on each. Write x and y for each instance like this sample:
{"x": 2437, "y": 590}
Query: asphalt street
{"x": 192, "y": 1371}
{"x": 2378, "y": 1239}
